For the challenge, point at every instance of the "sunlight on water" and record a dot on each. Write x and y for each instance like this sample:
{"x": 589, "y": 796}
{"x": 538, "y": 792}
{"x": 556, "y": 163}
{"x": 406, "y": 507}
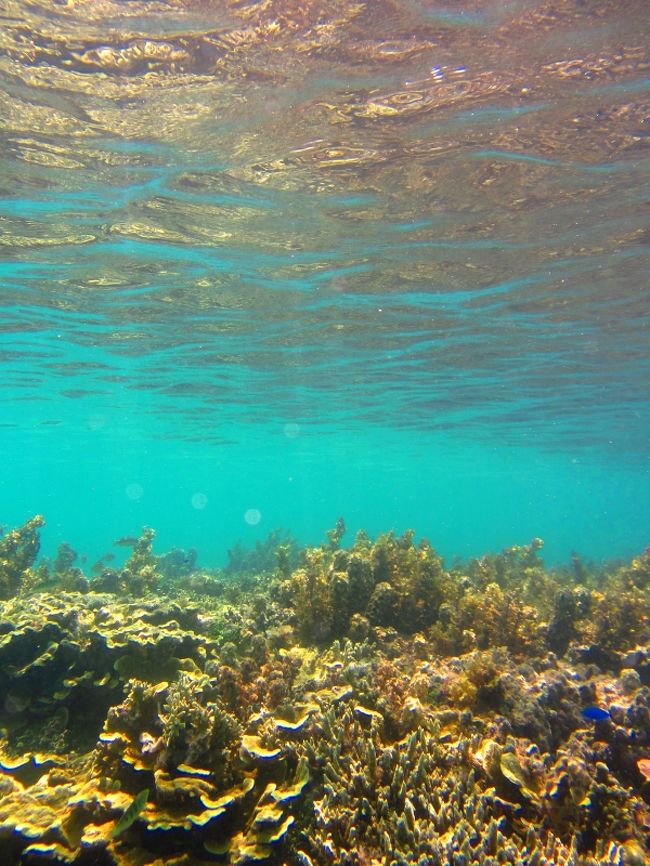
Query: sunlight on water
{"x": 329, "y": 220}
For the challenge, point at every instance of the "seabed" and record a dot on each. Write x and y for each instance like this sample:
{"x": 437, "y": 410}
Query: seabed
{"x": 337, "y": 706}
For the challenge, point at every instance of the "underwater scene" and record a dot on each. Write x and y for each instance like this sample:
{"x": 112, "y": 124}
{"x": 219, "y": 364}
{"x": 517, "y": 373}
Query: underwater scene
{"x": 324, "y": 432}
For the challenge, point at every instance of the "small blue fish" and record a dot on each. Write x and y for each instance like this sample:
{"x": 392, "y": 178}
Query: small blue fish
{"x": 595, "y": 714}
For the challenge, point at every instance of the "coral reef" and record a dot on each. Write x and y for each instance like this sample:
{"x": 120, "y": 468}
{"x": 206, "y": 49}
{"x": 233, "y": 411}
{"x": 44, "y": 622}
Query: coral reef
{"x": 64, "y": 658}
{"x": 363, "y": 706}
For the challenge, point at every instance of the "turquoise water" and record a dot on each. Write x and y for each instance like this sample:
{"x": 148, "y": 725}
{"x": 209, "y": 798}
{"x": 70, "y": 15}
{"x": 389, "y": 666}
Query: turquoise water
{"x": 266, "y": 265}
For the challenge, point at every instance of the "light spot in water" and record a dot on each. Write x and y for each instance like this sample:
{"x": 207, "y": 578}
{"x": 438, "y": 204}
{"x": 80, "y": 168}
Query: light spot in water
{"x": 199, "y": 501}
{"x": 134, "y": 491}
{"x": 252, "y": 516}
{"x": 96, "y": 422}
{"x": 292, "y": 430}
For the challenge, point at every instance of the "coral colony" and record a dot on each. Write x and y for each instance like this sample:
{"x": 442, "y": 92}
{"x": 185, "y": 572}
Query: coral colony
{"x": 359, "y": 706}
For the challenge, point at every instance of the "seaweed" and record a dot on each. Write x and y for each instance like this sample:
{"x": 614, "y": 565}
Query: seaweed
{"x": 18, "y": 551}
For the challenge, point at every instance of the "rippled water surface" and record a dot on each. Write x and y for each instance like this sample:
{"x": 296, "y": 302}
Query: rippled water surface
{"x": 391, "y": 255}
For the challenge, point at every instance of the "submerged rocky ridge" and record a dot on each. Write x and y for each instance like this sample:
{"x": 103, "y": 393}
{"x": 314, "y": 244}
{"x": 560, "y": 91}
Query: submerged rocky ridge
{"x": 343, "y": 706}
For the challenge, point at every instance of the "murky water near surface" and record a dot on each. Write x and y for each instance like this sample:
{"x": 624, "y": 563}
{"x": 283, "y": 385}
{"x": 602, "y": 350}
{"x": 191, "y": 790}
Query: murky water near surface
{"x": 313, "y": 257}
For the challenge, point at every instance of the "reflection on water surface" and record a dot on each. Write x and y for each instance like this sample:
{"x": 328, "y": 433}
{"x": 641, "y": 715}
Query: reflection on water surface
{"x": 402, "y": 213}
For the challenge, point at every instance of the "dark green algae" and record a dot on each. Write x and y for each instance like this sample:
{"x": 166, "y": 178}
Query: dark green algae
{"x": 355, "y": 652}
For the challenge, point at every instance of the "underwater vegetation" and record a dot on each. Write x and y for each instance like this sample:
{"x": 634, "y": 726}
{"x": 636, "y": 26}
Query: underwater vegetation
{"x": 342, "y": 706}
{"x": 279, "y": 549}
{"x": 18, "y": 551}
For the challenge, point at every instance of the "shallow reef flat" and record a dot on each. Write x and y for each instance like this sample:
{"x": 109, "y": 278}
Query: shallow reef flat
{"x": 335, "y": 706}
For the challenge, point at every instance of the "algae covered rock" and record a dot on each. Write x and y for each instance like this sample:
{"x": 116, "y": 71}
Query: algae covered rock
{"x": 18, "y": 551}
